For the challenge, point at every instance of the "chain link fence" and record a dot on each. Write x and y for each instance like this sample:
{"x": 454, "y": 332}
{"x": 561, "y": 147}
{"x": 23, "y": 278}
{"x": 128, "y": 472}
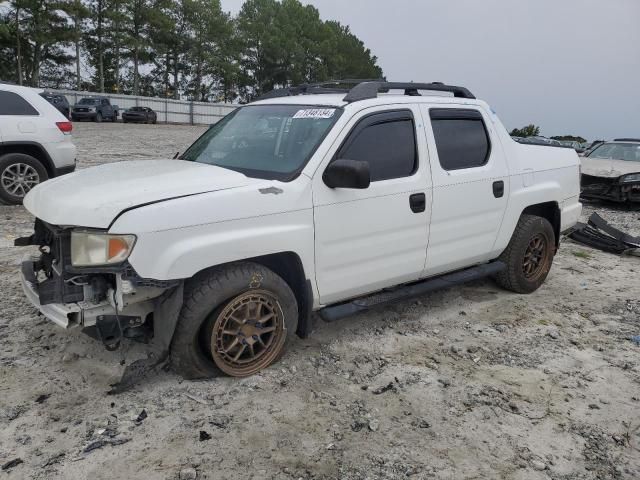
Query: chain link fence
{"x": 168, "y": 110}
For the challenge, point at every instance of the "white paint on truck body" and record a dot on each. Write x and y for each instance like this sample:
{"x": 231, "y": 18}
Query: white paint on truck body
{"x": 188, "y": 216}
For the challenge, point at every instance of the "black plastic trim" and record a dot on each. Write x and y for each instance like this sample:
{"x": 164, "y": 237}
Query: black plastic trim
{"x": 341, "y": 310}
{"x": 305, "y": 309}
{"x": 64, "y": 170}
{"x": 368, "y": 90}
{"x": 455, "y": 114}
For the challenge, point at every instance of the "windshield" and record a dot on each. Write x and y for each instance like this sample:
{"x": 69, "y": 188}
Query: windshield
{"x": 136, "y": 109}
{"x": 265, "y": 141}
{"x": 617, "y": 151}
{"x": 89, "y": 101}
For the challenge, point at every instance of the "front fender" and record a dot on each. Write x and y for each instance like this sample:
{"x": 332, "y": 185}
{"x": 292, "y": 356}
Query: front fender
{"x": 181, "y": 253}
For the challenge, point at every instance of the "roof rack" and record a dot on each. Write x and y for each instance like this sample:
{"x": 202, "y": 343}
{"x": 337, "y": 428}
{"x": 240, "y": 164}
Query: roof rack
{"x": 364, "y": 89}
{"x": 627, "y": 140}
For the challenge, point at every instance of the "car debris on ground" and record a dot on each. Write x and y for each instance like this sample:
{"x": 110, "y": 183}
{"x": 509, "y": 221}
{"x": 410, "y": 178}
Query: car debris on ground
{"x": 597, "y": 233}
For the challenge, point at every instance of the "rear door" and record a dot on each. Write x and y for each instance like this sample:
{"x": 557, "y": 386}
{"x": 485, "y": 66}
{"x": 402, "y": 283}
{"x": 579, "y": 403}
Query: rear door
{"x": 470, "y": 187}
{"x": 376, "y": 237}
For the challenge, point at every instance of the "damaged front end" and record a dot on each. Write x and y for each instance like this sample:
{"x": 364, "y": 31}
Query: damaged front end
{"x": 621, "y": 189}
{"x": 109, "y": 302}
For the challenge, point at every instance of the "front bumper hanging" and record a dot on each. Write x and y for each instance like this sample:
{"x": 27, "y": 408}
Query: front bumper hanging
{"x": 65, "y": 315}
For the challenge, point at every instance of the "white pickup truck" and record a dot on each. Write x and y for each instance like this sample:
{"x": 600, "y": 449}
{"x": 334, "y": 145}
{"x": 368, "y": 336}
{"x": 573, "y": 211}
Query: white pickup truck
{"x": 315, "y": 198}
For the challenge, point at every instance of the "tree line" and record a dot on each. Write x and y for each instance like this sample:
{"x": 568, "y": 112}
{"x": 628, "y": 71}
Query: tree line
{"x": 532, "y": 130}
{"x": 175, "y": 48}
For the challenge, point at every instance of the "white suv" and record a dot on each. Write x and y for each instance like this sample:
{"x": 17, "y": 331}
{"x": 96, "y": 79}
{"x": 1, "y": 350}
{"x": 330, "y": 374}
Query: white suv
{"x": 315, "y": 199}
{"x": 35, "y": 142}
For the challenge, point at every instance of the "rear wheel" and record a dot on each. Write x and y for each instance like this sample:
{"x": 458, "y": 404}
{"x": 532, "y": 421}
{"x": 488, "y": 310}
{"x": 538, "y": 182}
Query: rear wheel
{"x": 528, "y": 256}
{"x": 19, "y": 173}
{"x": 236, "y": 320}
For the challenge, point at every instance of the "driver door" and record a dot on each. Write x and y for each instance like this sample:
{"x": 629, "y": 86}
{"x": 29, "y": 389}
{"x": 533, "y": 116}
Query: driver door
{"x": 376, "y": 237}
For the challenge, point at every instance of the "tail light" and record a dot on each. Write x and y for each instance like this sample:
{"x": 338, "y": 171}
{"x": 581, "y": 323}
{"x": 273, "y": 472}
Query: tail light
{"x": 65, "y": 127}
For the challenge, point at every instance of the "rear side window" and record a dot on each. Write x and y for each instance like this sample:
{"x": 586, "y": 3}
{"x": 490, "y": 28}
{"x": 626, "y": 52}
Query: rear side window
{"x": 461, "y": 138}
{"x": 13, "y": 104}
{"x": 387, "y": 141}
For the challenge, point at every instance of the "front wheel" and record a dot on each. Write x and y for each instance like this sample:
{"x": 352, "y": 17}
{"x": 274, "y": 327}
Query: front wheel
{"x": 98, "y": 117}
{"x": 236, "y": 320}
{"x": 528, "y": 256}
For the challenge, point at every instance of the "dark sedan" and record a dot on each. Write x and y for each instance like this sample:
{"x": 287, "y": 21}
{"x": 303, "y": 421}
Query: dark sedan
{"x": 139, "y": 114}
{"x": 58, "y": 101}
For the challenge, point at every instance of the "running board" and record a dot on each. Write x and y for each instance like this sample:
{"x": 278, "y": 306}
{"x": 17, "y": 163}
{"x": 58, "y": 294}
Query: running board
{"x": 341, "y": 310}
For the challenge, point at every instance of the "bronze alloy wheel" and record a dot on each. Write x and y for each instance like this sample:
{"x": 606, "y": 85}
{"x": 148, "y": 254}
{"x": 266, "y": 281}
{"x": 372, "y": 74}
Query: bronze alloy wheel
{"x": 535, "y": 256}
{"x": 248, "y": 334}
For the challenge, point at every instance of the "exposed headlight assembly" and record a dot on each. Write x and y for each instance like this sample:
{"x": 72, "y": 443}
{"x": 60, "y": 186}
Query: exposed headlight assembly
{"x": 632, "y": 177}
{"x": 91, "y": 248}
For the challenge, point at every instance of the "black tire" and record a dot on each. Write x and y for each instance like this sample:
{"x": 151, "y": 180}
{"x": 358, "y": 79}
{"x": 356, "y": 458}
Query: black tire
{"x": 528, "y": 256}
{"x": 206, "y": 299}
{"x": 98, "y": 117}
{"x": 14, "y": 159}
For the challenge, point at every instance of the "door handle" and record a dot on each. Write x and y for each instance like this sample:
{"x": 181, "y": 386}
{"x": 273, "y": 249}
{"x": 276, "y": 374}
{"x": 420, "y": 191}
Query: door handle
{"x": 498, "y": 189}
{"x": 418, "y": 202}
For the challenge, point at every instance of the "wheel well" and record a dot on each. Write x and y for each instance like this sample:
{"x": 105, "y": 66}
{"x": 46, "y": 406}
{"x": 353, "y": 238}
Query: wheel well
{"x": 288, "y": 266}
{"x": 550, "y": 211}
{"x": 32, "y": 149}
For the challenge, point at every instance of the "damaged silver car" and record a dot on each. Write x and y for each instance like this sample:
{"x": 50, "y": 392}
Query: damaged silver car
{"x": 611, "y": 171}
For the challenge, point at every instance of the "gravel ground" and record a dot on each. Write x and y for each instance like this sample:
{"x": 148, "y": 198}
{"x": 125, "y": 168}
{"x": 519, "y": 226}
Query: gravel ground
{"x": 467, "y": 383}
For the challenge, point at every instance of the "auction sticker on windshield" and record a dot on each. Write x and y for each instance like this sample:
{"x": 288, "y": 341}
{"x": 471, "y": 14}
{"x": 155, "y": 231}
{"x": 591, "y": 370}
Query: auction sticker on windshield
{"x": 315, "y": 113}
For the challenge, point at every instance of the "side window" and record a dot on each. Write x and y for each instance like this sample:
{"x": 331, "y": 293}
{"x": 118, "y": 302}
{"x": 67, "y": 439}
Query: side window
{"x": 461, "y": 138}
{"x": 387, "y": 141}
{"x": 13, "y": 104}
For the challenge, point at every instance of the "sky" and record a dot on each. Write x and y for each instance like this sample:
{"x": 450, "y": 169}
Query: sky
{"x": 569, "y": 66}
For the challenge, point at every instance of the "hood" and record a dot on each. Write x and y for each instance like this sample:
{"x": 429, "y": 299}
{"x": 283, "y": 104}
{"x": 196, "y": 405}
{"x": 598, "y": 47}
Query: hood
{"x": 606, "y": 168}
{"x": 95, "y": 196}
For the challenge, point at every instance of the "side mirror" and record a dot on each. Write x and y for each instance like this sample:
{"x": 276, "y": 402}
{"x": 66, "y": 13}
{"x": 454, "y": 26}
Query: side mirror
{"x": 343, "y": 173}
